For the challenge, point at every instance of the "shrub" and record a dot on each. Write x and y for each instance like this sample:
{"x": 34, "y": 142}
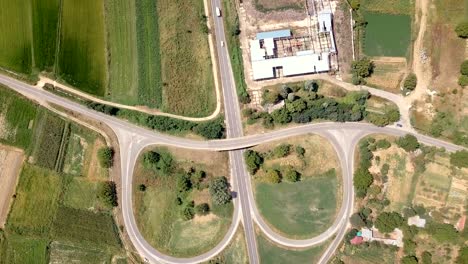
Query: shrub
{"x": 459, "y": 159}
{"x": 409, "y": 143}
{"x": 426, "y": 258}
{"x": 188, "y": 211}
{"x": 270, "y": 97}
{"x": 202, "y": 209}
{"x": 386, "y": 222}
{"x": 158, "y": 161}
{"x": 219, "y": 191}
{"x": 410, "y": 82}
{"x": 355, "y": 4}
{"x": 464, "y": 68}
{"x": 409, "y": 260}
{"x": 272, "y": 176}
{"x": 357, "y": 220}
{"x": 211, "y": 130}
{"x": 107, "y": 193}
{"x": 361, "y": 69}
{"x": 142, "y": 187}
{"x": 462, "y": 30}
{"x": 253, "y": 160}
{"x": 281, "y": 116}
{"x": 383, "y": 144}
{"x": 106, "y": 157}
{"x": 442, "y": 232}
{"x": 463, "y": 255}
{"x": 300, "y": 151}
{"x": 282, "y": 150}
{"x": 290, "y": 174}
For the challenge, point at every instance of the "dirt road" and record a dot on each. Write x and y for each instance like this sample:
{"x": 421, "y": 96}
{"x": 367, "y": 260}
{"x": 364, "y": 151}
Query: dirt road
{"x": 11, "y": 160}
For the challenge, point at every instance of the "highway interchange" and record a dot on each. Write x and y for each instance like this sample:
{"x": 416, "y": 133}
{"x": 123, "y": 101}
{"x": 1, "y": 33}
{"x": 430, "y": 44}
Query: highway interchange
{"x": 133, "y": 139}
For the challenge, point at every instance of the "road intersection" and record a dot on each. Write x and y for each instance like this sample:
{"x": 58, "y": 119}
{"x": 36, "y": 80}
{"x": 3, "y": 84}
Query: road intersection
{"x": 133, "y": 140}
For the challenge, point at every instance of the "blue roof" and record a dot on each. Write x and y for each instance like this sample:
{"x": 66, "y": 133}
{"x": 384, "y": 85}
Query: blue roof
{"x": 274, "y": 34}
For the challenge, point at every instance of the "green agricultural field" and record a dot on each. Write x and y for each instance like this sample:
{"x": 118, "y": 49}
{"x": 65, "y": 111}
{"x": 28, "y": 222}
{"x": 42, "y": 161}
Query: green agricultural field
{"x": 86, "y": 227}
{"x": 16, "y": 36}
{"x": 395, "y": 7}
{"x": 36, "y": 201}
{"x": 51, "y": 132}
{"x": 82, "y": 57}
{"x": 17, "y": 119}
{"x": 61, "y": 252}
{"x": 45, "y": 20}
{"x": 186, "y": 72}
{"x": 19, "y": 250}
{"x": 387, "y": 35}
{"x": 123, "y": 65}
{"x": 302, "y": 209}
{"x": 149, "y": 54}
{"x": 270, "y": 253}
{"x": 81, "y": 193}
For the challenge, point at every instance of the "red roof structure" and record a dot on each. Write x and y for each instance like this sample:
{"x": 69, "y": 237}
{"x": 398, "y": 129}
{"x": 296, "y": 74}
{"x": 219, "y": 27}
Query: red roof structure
{"x": 357, "y": 240}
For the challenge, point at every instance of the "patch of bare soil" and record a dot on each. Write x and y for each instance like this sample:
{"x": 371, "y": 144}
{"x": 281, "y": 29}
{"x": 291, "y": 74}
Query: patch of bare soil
{"x": 273, "y": 16}
{"x": 11, "y": 160}
{"x": 343, "y": 37}
{"x": 95, "y": 172}
{"x": 204, "y": 218}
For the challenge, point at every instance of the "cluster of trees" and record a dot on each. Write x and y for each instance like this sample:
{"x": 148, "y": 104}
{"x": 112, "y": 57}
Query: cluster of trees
{"x": 362, "y": 177}
{"x": 106, "y": 157}
{"x": 212, "y": 129}
{"x": 255, "y": 160}
{"x": 391, "y": 115}
{"x": 410, "y": 83}
{"x": 160, "y": 162}
{"x": 185, "y": 183}
{"x": 386, "y": 222}
{"x": 361, "y": 69}
{"x": 107, "y": 193}
{"x": 459, "y": 159}
{"x": 361, "y": 219}
{"x": 463, "y": 79}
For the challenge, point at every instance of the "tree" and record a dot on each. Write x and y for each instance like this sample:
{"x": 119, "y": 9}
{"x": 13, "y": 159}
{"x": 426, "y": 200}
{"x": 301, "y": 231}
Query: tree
{"x": 464, "y": 68}
{"x": 463, "y": 80}
{"x": 107, "y": 193}
{"x": 410, "y": 82}
{"x": 426, "y": 258}
{"x": 290, "y": 174}
{"x": 270, "y": 97}
{"x": 463, "y": 256}
{"x": 409, "y": 246}
{"x": 282, "y": 150}
{"x": 211, "y": 130}
{"x": 409, "y": 260}
{"x": 253, "y": 160}
{"x": 442, "y": 232}
{"x": 151, "y": 159}
{"x": 106, "y": 157}
{"x": 357, "y": 220}
{"x": 361, "y": 69}
{"x": 462, "y": 30}
{"x": 202, "y": 209}
{"x": 219, "y": 191}
{"x": 409, "y": 143}
{"x": 281, "y": 116}
{"x": 362, "y": 180}
{"x": 272, "y": 176}
{"x": 459, "y": 159}
{"x": 386, "y": 222}
{"x": 188, "y": 211}
{"x": 196, "y": 177}
{"x": 383, "y": 144}
{"x": 142, "y": 187}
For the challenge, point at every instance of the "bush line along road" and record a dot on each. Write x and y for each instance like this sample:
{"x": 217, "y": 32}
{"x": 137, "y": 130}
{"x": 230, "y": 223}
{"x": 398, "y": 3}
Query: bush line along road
{"x": 133, "y": 139}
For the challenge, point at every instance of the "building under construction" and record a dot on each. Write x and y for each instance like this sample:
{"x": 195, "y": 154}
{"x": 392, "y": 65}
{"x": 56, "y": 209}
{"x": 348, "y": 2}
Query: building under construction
{"x": 279, "y": 53}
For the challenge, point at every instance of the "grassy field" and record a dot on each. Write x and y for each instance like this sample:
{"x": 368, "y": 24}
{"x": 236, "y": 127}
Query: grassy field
{"x": 45, "y": 19}
{"x": 299, "y": 210}
{"x": 61, "y": 252}
{"x": 235, "y": 252}
{"x": 184, "y": 47}
{"x": 19, "y": 250}
{"x": 82, "y": 59}
{"x": 158, "y": 215}
{"x": 278, "y": 5}
{"x": 231, "y": 21}
{"x": 16, "y": 32}
{"x": 34, "y": 208}
{"x": 123, "y": 65}
{"x": 270, "y": 253}
{"x": 368, "y": 255}
{"x": 388, "y": 74}
{"x": 387, "y": 35}
{"x": 396, "y": 7}
{"x": 17, "y": 119}
{"x": 149, "y": 54}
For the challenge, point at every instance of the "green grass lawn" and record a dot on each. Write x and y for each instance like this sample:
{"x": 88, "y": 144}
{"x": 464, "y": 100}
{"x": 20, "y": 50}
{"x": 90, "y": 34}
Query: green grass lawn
{"x": 123, "y": 66}
{"x": 17, "y": 119}
{"x": 387, "y": 35}
{"x": 20, "y": 250}
{"x": 302, "y": 209}
{"x": 16, "y": 36}
{"x": 270, "y": 253}
{"x": 36, "y": 201}
{"x": 45, "y": 19}
{"x": 82, "y": 57}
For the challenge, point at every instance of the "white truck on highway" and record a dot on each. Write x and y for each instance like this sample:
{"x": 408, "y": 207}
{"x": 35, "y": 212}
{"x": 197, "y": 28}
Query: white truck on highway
{"x": 218, "y": 12}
